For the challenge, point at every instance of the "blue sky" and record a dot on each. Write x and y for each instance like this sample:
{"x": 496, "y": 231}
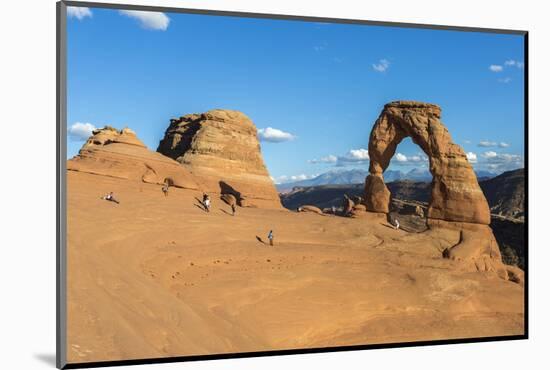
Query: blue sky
{"x": 313, "y": 90}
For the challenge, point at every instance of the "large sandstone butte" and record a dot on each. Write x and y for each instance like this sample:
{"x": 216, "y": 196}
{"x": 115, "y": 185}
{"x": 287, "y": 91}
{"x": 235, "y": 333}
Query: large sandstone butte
{"x": 120, "y": 154}
{"x": 221, "y": 149}
{"x": 457, "y": 203}
{"x": 456, "y": 195}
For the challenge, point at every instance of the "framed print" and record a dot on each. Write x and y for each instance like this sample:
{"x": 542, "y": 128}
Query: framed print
{"x": 234, "y": 184}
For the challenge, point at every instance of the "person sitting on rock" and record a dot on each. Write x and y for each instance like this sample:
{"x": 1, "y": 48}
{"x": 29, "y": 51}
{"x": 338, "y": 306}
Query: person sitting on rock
{"x": 165, "y": 189}
{"x": 110, "y": 198}
{"x": 270, "y": 237}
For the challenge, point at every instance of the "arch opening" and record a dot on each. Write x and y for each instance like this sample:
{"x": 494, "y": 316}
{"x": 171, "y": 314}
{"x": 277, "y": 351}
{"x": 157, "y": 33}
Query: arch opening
{"x": 409, "y": 182}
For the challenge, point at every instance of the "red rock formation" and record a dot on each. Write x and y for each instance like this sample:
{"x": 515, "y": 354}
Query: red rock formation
{"x": 456, "y": 195}
{"x": 221, "y": 148}
{"x": 457, "y": 204}
{"x": 121, "y": 154}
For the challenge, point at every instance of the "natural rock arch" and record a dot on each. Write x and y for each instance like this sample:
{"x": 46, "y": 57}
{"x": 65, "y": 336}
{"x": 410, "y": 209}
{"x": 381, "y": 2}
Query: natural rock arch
{"x": 455, "y": 194}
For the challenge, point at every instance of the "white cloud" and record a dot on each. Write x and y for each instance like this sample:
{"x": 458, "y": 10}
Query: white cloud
{"x": 496, "y": 68}
{"x": 401, "y": 157}
{"x": 354, "y": 156}
{"x": 416, "y": 158}
{"x": 382, "y": 65}
{"x": 274, "y": 135}
{"x": 328, "y": 159}
{"x": 410, "y": 160}
{"x": 283, "y": 179}
{"x": 148, "y": 20}
{"x": 489, "y": 154}
{"x": 503, "y": 145}
{"x": 472, "y": 157}
{"x": 299, "y": 177}
{"x": 467, "y": 142}
{"x": 78, "y": 12}
{"x": 359, "y": 154}
{"x": 487, "y": 143}
{"x": 500, "y": 161}
{"x": 514, "y": 63}
{"x": 79, "y": 131}
{"x": 504, "y": 80}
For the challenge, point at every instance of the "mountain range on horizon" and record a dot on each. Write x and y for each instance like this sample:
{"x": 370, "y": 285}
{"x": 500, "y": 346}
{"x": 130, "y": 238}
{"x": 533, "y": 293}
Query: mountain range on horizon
{"x": 357, "y": 176}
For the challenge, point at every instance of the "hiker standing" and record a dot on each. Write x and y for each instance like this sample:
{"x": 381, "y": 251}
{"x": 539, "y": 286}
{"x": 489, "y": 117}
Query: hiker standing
{"x": 165, "y": 189}
{"x": 270, "y": 237}
{"x": 233, "y": 209}
{"x": 394, "y": 222}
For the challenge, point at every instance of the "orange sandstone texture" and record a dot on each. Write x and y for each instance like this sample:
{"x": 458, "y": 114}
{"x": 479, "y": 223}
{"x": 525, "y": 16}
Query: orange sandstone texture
{"x": 456, "y": 195}
{"x": 120, "y": 154}
{"x": 221, "y": 148}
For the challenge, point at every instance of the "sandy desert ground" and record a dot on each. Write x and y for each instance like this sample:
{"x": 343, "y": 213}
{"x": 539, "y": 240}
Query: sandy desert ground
{"x": 156, "y": 277}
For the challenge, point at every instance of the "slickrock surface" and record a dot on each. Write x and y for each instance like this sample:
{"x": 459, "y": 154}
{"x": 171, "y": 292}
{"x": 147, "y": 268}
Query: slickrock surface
{"x": 120, "y": 154}
{"x": 221, "y": 148}
{"x": 157, "y": 276}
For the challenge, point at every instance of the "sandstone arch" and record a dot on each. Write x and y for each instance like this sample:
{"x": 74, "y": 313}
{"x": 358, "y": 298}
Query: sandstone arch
{"x": 455, "y": 195}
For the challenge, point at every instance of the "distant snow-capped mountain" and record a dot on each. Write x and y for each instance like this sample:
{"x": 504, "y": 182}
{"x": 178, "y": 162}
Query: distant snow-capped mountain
{"x": 357, "y": 176}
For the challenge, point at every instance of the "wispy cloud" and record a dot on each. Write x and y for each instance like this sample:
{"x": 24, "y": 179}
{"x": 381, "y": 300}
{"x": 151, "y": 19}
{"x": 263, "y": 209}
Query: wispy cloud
{"x": 486, "y": 143}
{"x": 500, "y": 161}
{"x": 274, "y": 135}
{"x": 381, "y": 66}
{"x": 283, "y": 179}
{"x": 472, "y": 157}
{"x": 80, "y": 131}
{"x": 490, "y": 144}
{"x": 148, "y": 20}
{"x": 510, "y": 63}
{"x": 353, "y": 156}
{"x": 514, "y": 63}
{"x": 489, "y": 154}
{"x": 328, "y": 159}
{"x": 406, "y": 160}
{"x": 78, "y": 12}
{"x": 321, "y": 47}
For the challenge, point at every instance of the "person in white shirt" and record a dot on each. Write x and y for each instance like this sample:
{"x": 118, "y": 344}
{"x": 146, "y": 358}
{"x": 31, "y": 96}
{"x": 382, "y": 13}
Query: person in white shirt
{"x": 206, "y": 202}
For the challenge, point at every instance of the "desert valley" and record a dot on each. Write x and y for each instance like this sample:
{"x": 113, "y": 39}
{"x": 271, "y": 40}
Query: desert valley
{"x": 155, "y": 275}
